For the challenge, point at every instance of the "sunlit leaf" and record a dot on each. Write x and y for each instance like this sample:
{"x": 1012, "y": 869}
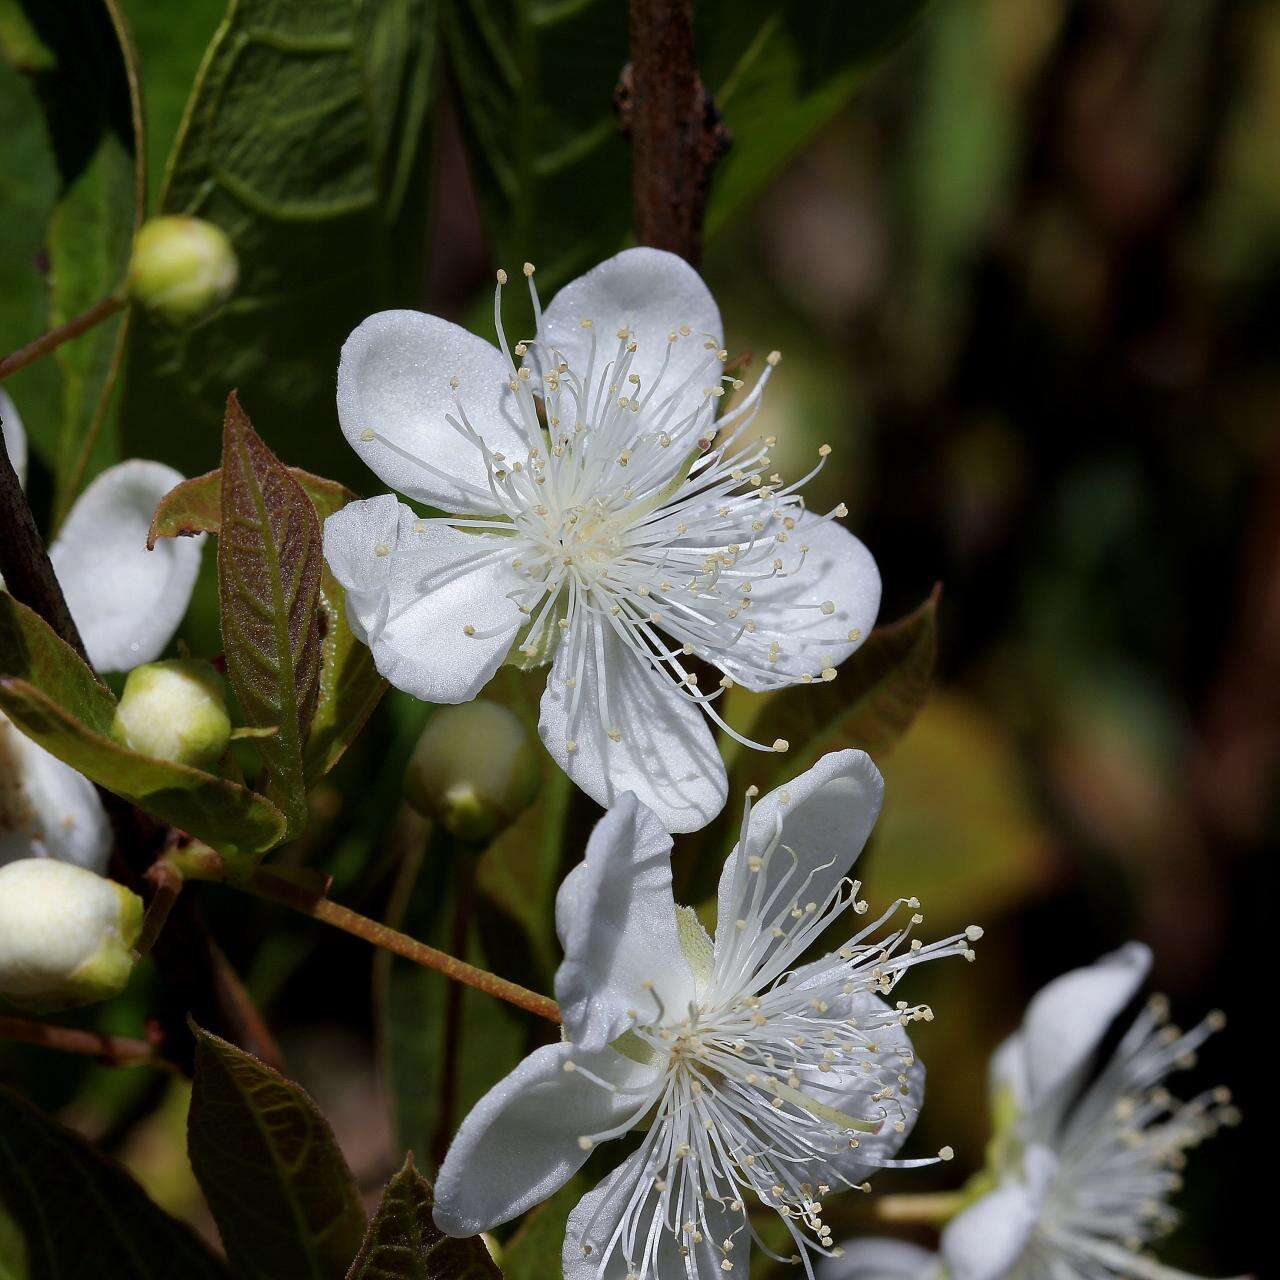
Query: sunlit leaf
{"x": 269, "y": 562}
{"x": 304, "y": 140}
{"x": 280, "y": 1191}
{"x": 404, "y": 1243}
{"x": 67, "y": 1211}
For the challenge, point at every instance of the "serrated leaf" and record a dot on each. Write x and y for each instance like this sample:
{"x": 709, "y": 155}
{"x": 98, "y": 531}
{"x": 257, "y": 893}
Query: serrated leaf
{"x": 304, "y": 140}
{"x": 220, "y": 812}
{"x": 404, "y": 1243}
{"x": 66, "y": 1211}
{"x": 280, "y": 1191}
{"x": 350, "y": 685}
{"x": 31, "y": 650}
{"x": 269, "y": 562}
{"x": 86, "y": 80}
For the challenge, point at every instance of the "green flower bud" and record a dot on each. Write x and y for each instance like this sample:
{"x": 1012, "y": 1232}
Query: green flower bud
{"x": 174, "y": 710}
{"x": 475, "y": 769}
{"x": 66, "y": 935}
{"x": 182, "y": 268}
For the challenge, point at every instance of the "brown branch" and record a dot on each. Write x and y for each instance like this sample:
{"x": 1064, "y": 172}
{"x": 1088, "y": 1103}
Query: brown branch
{"x": 677, "y": 136}
{"x": 268, "y": 883}
{"x": 112, "y": 1051}
{"x": 24, "y": 562}
{"x": 52, "y": 340}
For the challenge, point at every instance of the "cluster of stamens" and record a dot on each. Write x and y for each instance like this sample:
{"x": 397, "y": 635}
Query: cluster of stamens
{"x": 756, "y": 1073}
{"x": 634, "y": 511}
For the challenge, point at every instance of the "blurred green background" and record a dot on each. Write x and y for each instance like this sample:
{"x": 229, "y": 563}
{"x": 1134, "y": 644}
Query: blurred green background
{"x": 1024, "y": 272}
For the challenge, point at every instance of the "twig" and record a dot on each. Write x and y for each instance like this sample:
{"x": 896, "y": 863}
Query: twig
{"x": 267, "y": 883}
{"x": 24, "y": 562}
{"x": 112, "y": 1051}
{"x": 166, "y": 884}
{"x": 676, "y": 133}
{"x": 54, "y": 338}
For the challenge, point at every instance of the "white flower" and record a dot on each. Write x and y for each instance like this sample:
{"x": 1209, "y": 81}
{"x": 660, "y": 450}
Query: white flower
{"x": 751, "y": 1079}
{"x": 599, "y": 517}
{"x": 127, "y": 602}
{"x": 1086, "y": 1154}
{"x": 66, "y": 935}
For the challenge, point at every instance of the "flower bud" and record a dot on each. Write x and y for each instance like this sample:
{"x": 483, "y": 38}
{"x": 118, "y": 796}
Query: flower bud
{"x": 174, "y": 710}
{"x": 182, "y": 268}
{"x": 66, "y": 935}
{"x": 474, "y": 769}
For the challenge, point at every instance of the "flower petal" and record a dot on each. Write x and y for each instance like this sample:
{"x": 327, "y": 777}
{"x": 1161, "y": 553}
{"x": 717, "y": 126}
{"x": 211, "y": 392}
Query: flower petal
{"x": 652, "y": 294}
{"x": 1007, "y": 1074}
{"x": 880, "y": 1260}
{"x": 47, "y": 809}
{"x": 986, "y": 1240}
{"x": 413, "y": 587}
{"x": 665, "y": 752}
{"x": 617, "y": 923}
{"x": 596, "y": 1218}
{"x": 13, "y": 435}
{"x": 394, "y": 398}
{"x": 836, "y": 570}
{"x": 519, "y": 1144}
{"x": 1066, "y": 1022}
{"x": 825, "y": 816}
{"x": 127, "y": 601}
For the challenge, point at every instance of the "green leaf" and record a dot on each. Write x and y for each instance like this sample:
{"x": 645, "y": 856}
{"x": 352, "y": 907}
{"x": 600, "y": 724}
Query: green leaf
{"x": 85, "y": 76}
{"x": 304, "y": 141}
{"x": 280, "y": 1191}
{"x": 67, "y": 1211}
{"x": 404, "y": 1243}
{"x": 535, "y": 1250}
{"x": 350, "y": 685}
{"x": 224, "y": 814}
{"x": 779, "y": 72}
{"x": 536, "y": 84}
{"x": 31, "y": 650}
{"x": 269, "y": 561}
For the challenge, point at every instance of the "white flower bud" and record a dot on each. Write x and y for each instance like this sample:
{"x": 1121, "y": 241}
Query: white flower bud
{"x": 66, "y": 935}
{"x": 182, "y": 268}
{"x": 474, "y": 769}
{"x": 174, "y": 710}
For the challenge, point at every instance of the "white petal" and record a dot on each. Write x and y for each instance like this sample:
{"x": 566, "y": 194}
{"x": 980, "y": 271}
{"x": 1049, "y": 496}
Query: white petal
{"x": 1066, "y": 1022}
{"x": 126, "y": 600}
{"x": 597, "y": 1215}
{"x": 394, "y": 398}
{"x": 826, "y": 815}
{"x": 47, "y": 809}
{"x": 14, "y": 435}
{"x": 837, "y": 570}
{"x": 651, "y": 293}
{"x": 1007, "y": 1073}
{"x": 413, "y": 587}
{"x": 617, "y": 923}
{"x": 519, "y": 1144}
{"x": 987, "y": 1239}
{"x": 880, "y": 1260}
{"x": 851, "y": 1091}
{"x": 666, "y": 753}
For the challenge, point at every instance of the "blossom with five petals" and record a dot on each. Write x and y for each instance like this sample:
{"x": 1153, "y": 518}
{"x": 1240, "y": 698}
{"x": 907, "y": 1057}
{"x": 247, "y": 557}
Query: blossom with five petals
{"x": 1086, "y": 1153}
{"x": 601, "y": 517}
{"x": 755, "y": 1078}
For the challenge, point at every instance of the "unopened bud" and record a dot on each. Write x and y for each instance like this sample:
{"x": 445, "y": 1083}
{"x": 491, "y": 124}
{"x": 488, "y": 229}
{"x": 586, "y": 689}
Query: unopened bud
{"x": 182, "y": 269}
{"x": 174, "y": 710}
{"x": 475, "y": 768}
{"x": 66, "y": 935}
